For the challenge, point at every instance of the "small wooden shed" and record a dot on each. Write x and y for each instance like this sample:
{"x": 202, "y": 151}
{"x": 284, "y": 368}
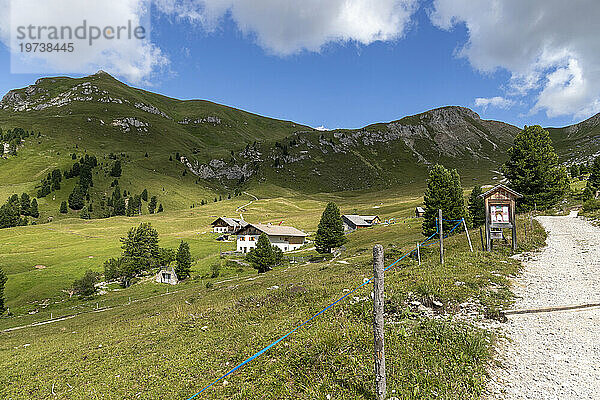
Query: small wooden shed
{"x": 500, "y": 204}
{"x": 167, "y": 275}
{"x": 419, "y": 212}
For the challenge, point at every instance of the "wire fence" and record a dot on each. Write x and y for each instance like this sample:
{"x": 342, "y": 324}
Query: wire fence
{"x": 322, "y": 311}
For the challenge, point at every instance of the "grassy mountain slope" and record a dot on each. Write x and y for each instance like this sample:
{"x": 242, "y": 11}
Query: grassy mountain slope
{"x": 579, "y": 142}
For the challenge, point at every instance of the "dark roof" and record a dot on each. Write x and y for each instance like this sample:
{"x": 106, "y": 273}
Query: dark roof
{"x": 357, "y": 220}
{"x": 498, "y": 187}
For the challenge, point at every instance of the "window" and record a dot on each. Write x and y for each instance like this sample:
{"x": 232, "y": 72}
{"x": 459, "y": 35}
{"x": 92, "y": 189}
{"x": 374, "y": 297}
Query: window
{"x": 242, "y": 238}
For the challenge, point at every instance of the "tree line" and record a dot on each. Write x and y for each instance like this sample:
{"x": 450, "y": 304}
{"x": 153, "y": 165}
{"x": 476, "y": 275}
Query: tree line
{"x": 14, "y": 137}
{"x": 16, "y": 210}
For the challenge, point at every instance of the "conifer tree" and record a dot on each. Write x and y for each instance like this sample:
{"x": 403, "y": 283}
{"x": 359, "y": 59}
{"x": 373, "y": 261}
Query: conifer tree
{"x": 160, "y": 208}
{"x": 77, "y": 198}
{"x": 264, "y": 256}
{"x": 184, "y": 261}
{"x": 63, "y": 207}
{"x": 533, "y": 169}
{"x": 145, "y": 195}
{"x": 593, "y": 183}
{"x": 25, "y": 204}
{"x": 140, "y": 249}
{"x": 33, "y": 210}
{"x": 119, "y": 207}
{"x": 330, "y": 233}
{"x": 152, "y": 205}
{"x": 476, "y": 207}
{"x": 443, "y": 192}
{"x": 84, "y": 214}
{"x": 116, "y": 169}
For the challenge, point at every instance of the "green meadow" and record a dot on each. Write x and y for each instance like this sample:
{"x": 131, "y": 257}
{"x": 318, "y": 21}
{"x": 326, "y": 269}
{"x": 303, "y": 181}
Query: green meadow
{"x": 152, "y": 341}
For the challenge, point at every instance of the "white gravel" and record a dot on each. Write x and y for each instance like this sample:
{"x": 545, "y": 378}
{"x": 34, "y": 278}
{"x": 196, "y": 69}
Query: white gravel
{"x": 554, "y": 355}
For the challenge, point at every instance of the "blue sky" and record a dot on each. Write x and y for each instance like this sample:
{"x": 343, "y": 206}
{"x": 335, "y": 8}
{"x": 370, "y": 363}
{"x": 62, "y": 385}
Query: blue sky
{"x": 345, "y": 77}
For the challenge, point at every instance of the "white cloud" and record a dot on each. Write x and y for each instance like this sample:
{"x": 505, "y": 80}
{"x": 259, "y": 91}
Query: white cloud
{"x": 285, "y": 27}
{"x": 133, "y": 59}
{"x": 498, "y": 102}
{"x": 550, "y": 47}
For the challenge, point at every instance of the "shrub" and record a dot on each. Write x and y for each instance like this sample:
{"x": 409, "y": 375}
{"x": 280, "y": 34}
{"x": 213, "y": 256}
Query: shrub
{"x": 86, "y": 286}
{"x": 591, "y": 205}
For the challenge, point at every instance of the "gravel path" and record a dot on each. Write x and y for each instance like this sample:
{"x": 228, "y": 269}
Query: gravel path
{"x": 555, "y": 355}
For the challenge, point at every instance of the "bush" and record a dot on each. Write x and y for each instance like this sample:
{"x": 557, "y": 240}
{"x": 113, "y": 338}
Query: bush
{"x": 86, "y": 286}
{"x": 591, "y": 205}
{"x": 215, "y": 270}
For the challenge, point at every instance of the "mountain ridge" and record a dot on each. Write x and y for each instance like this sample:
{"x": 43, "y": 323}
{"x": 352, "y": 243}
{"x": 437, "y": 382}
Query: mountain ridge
{"x": 228, "y": 148}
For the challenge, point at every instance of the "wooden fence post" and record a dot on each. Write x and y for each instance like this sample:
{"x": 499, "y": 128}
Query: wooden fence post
{"x": 378, "y": 323}
{"x": 441, "y": 231}
{"x": 419, "y": 252}
{"x": 481, "y": 236}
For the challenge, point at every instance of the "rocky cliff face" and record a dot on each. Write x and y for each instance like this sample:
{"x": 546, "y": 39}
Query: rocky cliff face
{"x": 446, "y": 133}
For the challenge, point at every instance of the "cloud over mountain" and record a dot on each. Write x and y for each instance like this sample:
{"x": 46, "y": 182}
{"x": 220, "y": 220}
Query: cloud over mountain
{"x": 285, "y": 27}
{"x": 550, "y": 48}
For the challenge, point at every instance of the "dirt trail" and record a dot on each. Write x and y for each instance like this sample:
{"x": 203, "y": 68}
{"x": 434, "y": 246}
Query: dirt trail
{"x": 555, "y": 355}
{"x": 246, "y": 205}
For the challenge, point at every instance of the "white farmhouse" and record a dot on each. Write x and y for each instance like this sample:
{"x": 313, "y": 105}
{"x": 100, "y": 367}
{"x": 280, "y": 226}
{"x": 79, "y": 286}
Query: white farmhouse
{"x": 286, "y": 238}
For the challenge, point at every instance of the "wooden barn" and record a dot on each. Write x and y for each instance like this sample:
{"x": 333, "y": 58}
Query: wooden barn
{"x": 354, "y": 222}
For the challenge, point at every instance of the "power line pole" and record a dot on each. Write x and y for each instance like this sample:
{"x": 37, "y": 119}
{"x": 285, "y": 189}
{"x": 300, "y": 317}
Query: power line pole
{"x": 378, "y": 323}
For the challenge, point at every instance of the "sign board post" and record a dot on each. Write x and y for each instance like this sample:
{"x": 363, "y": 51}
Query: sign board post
{"x": 500, "y": 213}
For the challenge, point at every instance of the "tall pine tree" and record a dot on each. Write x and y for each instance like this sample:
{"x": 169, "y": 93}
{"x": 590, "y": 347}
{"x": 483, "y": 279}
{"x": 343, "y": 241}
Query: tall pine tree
{"x": 443, "y": 192}
{"x": 533, "y": 170}
{"x": 33, "y": 210}
{"x": 152, "y": 205}
{"x": 184, "y": 261}
{"x": 330, "y": 233}
{"x": 593, "y": 183}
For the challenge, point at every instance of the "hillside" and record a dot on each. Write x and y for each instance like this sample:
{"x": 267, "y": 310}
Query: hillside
{"x": 225, "y": 150}
{"x": 579, "y": 142}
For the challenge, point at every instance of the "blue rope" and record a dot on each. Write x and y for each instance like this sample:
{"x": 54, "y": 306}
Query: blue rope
{"x": 264, "y": 350}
